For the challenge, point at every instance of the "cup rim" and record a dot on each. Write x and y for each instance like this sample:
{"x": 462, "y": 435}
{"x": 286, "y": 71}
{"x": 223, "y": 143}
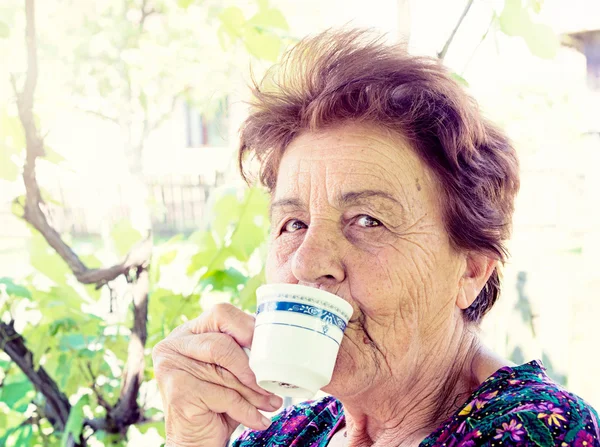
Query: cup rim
{"x": 307, "y": 290}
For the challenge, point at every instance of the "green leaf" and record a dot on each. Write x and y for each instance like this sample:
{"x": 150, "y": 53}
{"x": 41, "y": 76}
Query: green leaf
{"x": 223, "y": 280}
{"x": 47, "y": 197}
{"x": 16, "y": 207}
{"x": 75, "y": 422}
{"x": 536, "y": 429}
{"x": 207, "y": 252}
{"x": 4, "y": 30}
{"x": 16, "y": 392}
{"x": 4, "y": 365}
{"x": 23, "y": 439}
{"x": 514, "y": 19}
{"x": 269, "y": 18}
{"x": 252, "y": 226}
{"x": 232, "y": 22}
{"x": 185, "y": 4}
{"x": 167, "y": 258}
{"x": 542, "y": 41}
{"x": 159, "y": 426}
{"x": 39, "y": 341}
{"x": 226, "y": 210}
{"x": 247, "y": 298}
{"x": 13, "y": 289}
{"x": 124, "y": 237}
{"x": 44, "y": 259}
{"x": 75, "y": 342}
{"x": 261, "y": 44}
{"x": 52, "y": 156}
{"x": 536, "y": 5}
{"x": 458, "y": 78}
{"x": 25, "y": 435}
{"x": 63, "y": 324}
{"x": 204, "y": 240}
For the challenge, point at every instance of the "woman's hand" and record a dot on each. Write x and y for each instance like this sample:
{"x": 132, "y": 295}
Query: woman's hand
{"x": 205, "y": 381}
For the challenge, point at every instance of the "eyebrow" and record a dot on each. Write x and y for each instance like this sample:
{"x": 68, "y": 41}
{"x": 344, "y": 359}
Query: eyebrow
{"x": 352, "y": 197}
{"x": 346, "y": 199}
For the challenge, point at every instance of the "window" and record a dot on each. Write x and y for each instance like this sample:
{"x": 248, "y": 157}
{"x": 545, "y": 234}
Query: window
{"x": 210, "y": 128}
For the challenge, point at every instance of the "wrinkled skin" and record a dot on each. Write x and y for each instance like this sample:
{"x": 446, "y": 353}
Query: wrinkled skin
{"x": 354, "y": 212}
{"x": 357, "y": 213}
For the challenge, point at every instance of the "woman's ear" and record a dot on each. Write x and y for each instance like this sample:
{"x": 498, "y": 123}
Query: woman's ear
{"x": 478, "y": 269}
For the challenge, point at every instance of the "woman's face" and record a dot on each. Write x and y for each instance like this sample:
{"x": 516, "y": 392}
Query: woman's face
{"x": 355, "y": 212}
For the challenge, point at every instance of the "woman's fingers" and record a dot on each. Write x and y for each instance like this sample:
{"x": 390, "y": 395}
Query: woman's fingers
{"x": 217, "y": 349}
{"x": 205, "y": 379}
{"x": 226, "y": 400}
{"x": 219, "y": 375}
{"x": 224, "y": 318}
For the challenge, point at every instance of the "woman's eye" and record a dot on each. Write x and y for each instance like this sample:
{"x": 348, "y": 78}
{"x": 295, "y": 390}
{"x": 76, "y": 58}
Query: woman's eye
{"x": 367, "y": 221}
{"x": 293, "y": 225}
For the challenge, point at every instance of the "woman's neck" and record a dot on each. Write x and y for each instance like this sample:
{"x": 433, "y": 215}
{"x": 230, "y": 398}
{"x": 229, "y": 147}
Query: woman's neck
{"x": 402, "y": 411}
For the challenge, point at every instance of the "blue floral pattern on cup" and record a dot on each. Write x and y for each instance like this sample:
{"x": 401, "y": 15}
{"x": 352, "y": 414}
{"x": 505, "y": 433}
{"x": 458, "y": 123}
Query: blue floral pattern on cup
{"x": 306, "y": 309}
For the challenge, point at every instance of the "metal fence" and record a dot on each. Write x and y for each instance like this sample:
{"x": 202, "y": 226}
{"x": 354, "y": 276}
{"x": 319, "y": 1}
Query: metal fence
{"x": 178, "y": 204}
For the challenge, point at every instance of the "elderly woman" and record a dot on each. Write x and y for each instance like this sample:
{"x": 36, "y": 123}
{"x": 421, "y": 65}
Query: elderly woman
{"x": 391, "y": 191}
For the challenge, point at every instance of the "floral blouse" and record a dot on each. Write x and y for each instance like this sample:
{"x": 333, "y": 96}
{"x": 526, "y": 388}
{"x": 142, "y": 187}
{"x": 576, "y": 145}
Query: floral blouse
{"x": 518, "y": 406}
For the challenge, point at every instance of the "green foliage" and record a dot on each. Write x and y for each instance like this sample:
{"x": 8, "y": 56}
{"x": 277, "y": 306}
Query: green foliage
{"x": 15, "y": 391}
{"x": 226, "y": 259}
{"x": 52, "y": 156}
{"x": 74, "y": 425}
{"x": 124, "y": 237}
{"x": 104, "y": 58}
{"x": 536, "y": 429}
{"x": 515, "y": 20}
{"x": 257, "y": 33}
{"x": 226, "y": 249}
{"x": 13, "y": 289}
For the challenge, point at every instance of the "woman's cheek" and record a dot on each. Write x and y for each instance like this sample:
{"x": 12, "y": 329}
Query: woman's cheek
{"x": 283, "y": 248}
{"x": 369, "y": 239}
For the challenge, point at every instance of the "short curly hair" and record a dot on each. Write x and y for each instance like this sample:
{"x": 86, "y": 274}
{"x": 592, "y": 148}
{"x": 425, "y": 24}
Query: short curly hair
{"x": 353, "y": 75}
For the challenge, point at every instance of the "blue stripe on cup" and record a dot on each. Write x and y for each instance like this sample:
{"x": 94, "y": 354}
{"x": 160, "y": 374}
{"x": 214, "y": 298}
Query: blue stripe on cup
{"x": 306, "y": 309}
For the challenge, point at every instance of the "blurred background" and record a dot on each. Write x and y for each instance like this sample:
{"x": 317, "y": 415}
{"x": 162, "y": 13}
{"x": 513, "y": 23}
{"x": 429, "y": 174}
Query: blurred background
{"x": 122, "y": 214}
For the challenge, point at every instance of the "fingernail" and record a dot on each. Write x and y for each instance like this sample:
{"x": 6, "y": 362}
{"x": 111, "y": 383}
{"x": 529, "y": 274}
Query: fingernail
{"x": 266, "y": 422}
{"x": 275, "y": 401}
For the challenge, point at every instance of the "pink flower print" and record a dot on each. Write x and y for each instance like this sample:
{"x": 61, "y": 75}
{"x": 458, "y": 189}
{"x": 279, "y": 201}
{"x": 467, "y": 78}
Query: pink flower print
{"x": 513, "y": 429}
{"x": 468, "y": 441}
{"x": 552, "y": 414}
{"x": 584, "y": 439}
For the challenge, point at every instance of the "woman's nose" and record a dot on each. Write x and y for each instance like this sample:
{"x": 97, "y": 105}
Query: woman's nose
{"x": 318, "y": 259}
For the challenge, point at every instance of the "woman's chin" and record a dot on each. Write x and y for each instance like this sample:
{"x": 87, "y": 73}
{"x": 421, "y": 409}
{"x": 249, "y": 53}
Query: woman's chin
{"x": 342, "y": 381}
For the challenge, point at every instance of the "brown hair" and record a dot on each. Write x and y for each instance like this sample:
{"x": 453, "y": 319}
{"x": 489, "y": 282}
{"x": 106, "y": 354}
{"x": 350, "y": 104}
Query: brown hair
{"x": 340, "y": 76}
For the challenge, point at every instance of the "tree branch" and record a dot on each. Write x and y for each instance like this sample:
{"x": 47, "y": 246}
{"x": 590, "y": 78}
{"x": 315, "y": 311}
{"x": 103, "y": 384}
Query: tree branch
{"x": 162, "y": 118}
{"x": 145, "y": 14}
{"x": 127, "y": 411}
{"x": 100, "y": 115}
{"x": 442, "y": 54}
{"x": 101, "y": 400}
{"x": 33, "y": 213}
{"x": 14, "y": 345}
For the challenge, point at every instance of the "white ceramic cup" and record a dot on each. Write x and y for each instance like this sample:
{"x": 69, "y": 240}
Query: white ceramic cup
{"x": 297, "y": 335}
